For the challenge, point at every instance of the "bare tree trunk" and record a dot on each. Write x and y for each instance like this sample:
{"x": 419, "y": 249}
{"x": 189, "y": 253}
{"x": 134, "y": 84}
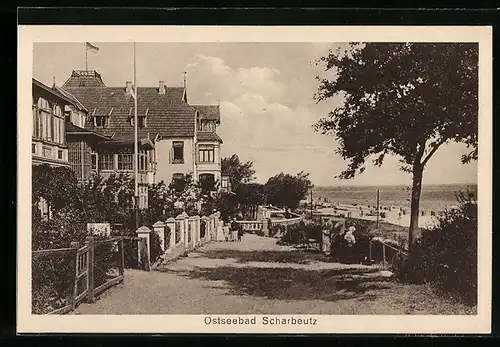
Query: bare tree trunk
{"x": 415, "y": 203}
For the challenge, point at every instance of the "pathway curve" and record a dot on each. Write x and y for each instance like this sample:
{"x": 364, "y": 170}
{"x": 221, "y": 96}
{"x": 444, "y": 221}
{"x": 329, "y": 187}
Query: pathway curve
{"x": 257, "y": 276}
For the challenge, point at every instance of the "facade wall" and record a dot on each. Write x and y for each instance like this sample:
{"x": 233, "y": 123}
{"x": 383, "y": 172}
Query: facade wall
{"x": 48, "y": 132}
{"x": 204, "y": 167}
{"x": 164, "y": 154}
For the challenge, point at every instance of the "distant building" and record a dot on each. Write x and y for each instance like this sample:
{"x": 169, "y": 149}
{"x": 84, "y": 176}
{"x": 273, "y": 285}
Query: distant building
{"x": 175, "y": 138}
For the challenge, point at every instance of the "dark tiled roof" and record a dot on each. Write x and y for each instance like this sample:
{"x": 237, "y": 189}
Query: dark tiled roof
{"x": 70, "y": 96}
{"x": 208, "y": 136}
{"x": 82, "y": 78}
{"x": 72, "y": 129}
{"x": 168, "y": 115}
{"x": 211, "y": 112}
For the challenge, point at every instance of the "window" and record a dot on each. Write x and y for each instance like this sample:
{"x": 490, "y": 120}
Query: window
{"x": 60, "y": 154}
{"x": 61, "y": 131}
{"x": 94, "y": 161}
{"x": 101, "y": 121}
{"x": 207, "y": 126}
{"x": 46, "y": 120}
{"x": 125, "y": 162}
{"x": 33, "y": 148}
{"x": 143, "y": 197}
{"x": 35, "y": 122}
{"x": 141, "y": 121}
{"x": 107, "y": 162}
{"x": 143, "y": 160}
{"x": 224, "y": 183}
{"x": 178, "y": 152}
{"x": 206, "y": 153}
{"x": 57, "y": 110}
{"x": 57, "y": 132}
{"x": 43, "y": 104}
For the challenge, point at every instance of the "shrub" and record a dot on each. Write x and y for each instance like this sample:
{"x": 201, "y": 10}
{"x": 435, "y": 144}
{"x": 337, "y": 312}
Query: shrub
{"x": 446, "y": 255}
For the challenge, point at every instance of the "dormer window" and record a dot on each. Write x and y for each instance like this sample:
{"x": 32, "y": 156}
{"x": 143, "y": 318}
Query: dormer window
{"x": 207, "y": 125}
{"x": 141, "y": 119}
{"x": 100, "y": 121}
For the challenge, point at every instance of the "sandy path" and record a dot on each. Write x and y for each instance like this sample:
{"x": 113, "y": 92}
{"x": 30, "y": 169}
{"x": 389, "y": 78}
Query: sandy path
{"x": 256, "y": 276}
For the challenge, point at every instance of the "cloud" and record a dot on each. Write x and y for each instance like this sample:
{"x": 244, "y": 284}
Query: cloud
{"x": 257, "y": 122}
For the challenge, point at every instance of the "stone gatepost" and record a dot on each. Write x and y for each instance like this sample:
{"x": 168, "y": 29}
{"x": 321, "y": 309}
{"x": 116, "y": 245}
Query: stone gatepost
{"x": 159, "y": 228}
{"x": 197, "y": 231}
{"x": 265, "y": 227}
{"x": 144, "y": 232}
{"x": 206, "y": 222}
{"x": 185, "y": 217}
{"x": 192, "y": 224}
{"x": 170, "y": 223}
{"x": 180, "y": 223}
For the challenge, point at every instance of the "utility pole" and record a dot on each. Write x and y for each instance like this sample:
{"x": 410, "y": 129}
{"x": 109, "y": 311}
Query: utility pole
{"x": 136, "y": 150}
{"x": 311, "y": 203}
{"x": 378, "y": 206}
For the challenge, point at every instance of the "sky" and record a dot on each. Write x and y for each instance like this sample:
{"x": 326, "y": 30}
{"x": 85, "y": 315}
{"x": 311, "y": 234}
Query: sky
{"x": 266, "y": 98}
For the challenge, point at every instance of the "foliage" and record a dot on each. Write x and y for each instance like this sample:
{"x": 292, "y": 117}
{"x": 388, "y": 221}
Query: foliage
{"x": 446, "y": 255}
{"x": 301, "y": 233}
{"x": 403, "y": 99}
{"x": 58, "y": 186}
{"x": 285, "y": 190}
{"x": 249, "y": 195}
{"x": 237, "y": 171}
{"x": 50, "y": 283}
{"x": 186, "y": 192}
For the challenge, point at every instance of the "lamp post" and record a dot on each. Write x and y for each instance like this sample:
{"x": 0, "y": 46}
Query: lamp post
{"x": 136, "y": 150}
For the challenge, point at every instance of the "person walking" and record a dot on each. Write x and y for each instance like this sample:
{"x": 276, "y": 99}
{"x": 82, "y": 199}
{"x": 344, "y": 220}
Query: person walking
{"x": 234, "y": 228}
{"x": 240, "y": 233}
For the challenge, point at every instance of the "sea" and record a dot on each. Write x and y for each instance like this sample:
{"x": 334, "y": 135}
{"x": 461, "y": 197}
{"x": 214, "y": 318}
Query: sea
{"x": 433, "y": 197}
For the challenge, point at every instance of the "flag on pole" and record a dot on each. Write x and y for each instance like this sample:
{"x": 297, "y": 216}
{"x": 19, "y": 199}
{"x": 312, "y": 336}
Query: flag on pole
{"x": 92, "y": 47}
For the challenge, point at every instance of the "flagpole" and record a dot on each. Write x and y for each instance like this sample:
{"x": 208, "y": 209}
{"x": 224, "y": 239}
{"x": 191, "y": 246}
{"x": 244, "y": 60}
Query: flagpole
{"x": 86, "y": 53}
{"x": 136, "y": 150}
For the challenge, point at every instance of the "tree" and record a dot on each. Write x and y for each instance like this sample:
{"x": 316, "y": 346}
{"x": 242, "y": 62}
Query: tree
{"x": 250, "y": 195}
{"x": 237, "y": 171}
{"x": 285, "y": 190}
{"x": 57, "y": 185}
{"x": 403, "y": 99}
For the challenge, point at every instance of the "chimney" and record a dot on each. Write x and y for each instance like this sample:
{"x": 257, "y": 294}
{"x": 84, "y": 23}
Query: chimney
{"x": 128, "y": 88}
{"x": 161, "y": 88}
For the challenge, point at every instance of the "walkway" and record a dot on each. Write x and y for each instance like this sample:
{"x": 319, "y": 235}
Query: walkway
{"x": 257, "y": 276}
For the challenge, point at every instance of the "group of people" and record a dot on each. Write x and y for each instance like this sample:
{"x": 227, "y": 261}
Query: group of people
{"x": 339, "y": 242}
{"x": 235, "y": 228}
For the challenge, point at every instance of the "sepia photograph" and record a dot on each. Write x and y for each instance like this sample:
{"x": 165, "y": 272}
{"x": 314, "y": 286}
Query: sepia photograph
{"x": 257, "y": 184}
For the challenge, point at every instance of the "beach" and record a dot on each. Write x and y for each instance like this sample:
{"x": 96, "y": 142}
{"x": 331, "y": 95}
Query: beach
{"x": 394, "y": 202}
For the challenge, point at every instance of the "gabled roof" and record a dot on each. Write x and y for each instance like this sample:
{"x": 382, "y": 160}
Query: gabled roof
{"x": 209, "y": 112}
{"x": 57, "y": 94}
{"x": 70, "y": 96}
{"x": 168, "y": 115}
{"x": 208, "y": 136}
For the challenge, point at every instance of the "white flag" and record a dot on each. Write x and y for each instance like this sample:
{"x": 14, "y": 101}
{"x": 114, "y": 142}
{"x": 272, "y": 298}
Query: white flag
{"x": 92, "y": 47}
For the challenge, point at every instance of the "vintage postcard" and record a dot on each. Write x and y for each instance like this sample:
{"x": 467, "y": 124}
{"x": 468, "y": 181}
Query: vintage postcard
{"x": 254, "y": 179}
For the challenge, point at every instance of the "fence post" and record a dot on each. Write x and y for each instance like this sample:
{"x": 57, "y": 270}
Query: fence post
{"x": 370, "y": 251}
{"x": 171, "y": 225}
{"x": 90, "y": 269}
{"x": 180, "y": 219}
{"x": 159, "y": 227}
{"x": 144, "y": 232}
{"x": 122, "y": 256}
{"x": 383, "y": 254}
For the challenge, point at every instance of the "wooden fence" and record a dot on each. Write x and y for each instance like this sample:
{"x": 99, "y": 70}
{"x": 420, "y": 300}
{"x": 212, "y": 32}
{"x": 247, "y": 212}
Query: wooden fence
{"x": 85, "y": 273}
